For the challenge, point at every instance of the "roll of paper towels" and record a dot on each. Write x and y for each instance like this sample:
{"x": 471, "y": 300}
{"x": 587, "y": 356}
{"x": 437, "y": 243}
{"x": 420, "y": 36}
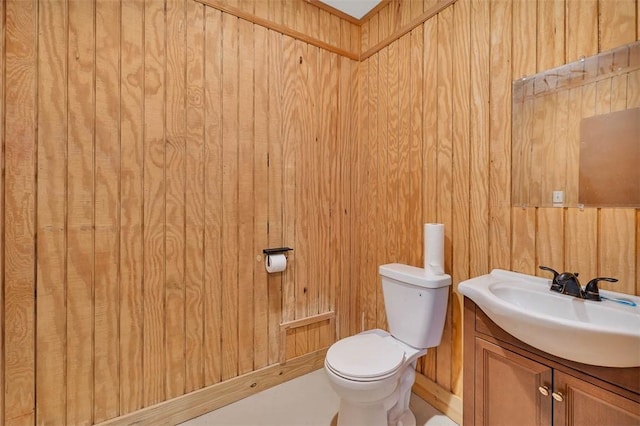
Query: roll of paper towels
{"x": 434, "y": 248}
{"x": 275, "y": 263}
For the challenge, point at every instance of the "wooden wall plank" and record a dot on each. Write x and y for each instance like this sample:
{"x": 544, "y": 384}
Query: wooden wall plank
{"x": 261, "y": 194}
{"x": 174, "y": 170}
{"x": 479, "y": 134}
{"x": 616, "y": 236}
{"x": 525, "y": 19}
{"x": 582, "y": 19}
{"x": 213, "y": 202}
{"x": 549, "y": 244}
{"x": 406, "y": 228}
{"x": 131, "y": 204}
{"x": 371, "y": 232}
{"x": 461, "y": 180}
{"x": 581, "y": 241}
{"x": 194, "y": 200}
{"x": 326, "y": 205}
{"x": 303, "y": 221}
{"x": 381, "y": 236}
{"x": 50, "y": 350}
{"x": 392, "y": 163}
{"x": 523, "y": 248}
{"x": 500, "y": 133}
{"x": 230, "y": 176}
{"x": 429, "y": 148}
{"x": 246, "y": 193}
{"x": 107, "y": 211}
{"x": 444, "y": 158}
{"x": 351, "y": 176}
{"x": 359, "y": 195}
{"x": 551, "y": 35}
{"x": 276, "y": 184}
{"x": 2, "y": 204}
{"x": 290, "y": 134}
{"x": 154, "y": 218}
{"x": 616, "y": 20}
{"x": 573, "y": 145}
{"x": 311, "y": 160}
{"x": 416, "y": 111}
{"x": 80, "y": 208}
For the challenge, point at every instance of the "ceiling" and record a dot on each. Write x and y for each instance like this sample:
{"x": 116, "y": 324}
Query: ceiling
{"x": 355, "y": 8}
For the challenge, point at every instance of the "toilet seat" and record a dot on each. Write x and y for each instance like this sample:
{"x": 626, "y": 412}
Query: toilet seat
{"x": 365, "y": 357}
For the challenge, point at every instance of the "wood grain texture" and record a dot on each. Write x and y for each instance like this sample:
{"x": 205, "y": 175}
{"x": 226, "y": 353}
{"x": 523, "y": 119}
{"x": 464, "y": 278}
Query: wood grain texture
{"x": 212, "y": 339}
{"x": 116, "y": 119}
{"x": 80, "y": 212}
{"x": 175, "y": 170}
{"x": 461, "y": 180}
{"x": 131, "y": 206}
{"x": 500, "y": 131}
{"x": 616, "y": 23}
{"x": 549, "y": 244}
{"x": 444, "y": 185}
{"x": 616, "y": 235}
{"x": 261, "y": 195}
{"x": 2, "y": 208}
{"x": 275, "y": 224}
{"x": 154, "y": 193}
{"x": 194, "y": 199}
{"x": 51, "y": 317}
{"x": 429, "y": 147}
{"x": 550, "y": 34}
{"x": 107, "y": 212}
{"x": 247, "y": 200}
{"x": 480, "y": 134}
{"x": 230, "y": 176}
{"x": 582, "y": 18}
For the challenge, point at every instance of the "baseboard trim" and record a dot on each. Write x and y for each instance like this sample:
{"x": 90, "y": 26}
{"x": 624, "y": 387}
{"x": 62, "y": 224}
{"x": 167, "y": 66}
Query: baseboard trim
{"x": 438, "y": 397}
{"x": 197, "y": 403}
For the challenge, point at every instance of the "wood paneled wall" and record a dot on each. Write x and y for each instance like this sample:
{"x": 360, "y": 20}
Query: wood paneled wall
{"x": 152, "y": 150}
{"x": 435, "y": 146}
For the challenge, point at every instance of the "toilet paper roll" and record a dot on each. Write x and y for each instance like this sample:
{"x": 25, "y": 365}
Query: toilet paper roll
{"x": 275, "y": 263}
{"x": 434, "y": 248}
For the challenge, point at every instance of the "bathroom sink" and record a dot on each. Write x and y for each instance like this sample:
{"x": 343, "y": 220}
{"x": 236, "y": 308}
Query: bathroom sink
{"x": 605, "y": 333}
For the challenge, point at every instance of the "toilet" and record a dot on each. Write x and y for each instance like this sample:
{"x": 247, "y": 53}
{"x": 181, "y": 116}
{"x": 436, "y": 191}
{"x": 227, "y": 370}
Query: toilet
{"x": 373, "y": 372}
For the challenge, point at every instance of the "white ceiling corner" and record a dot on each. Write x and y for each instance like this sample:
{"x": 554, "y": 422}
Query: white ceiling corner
{"x": 355, "y": 8}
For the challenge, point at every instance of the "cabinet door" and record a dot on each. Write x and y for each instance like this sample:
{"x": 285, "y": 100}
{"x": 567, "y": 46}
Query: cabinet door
{"x": 585, "y": 404}
{"x": 507, "y": 388}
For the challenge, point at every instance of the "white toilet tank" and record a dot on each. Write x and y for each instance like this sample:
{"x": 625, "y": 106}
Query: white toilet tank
{"x": 416, "y": 304}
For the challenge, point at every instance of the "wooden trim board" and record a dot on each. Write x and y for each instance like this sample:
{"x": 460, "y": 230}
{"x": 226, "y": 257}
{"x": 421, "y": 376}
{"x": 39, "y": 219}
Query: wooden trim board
{"x": 285, "y": 326}
{"x": 407, "y": 28}
{"x": 441, "y": 399}
{"x": 202, "y": 401}
{"x": 277, "y": 27}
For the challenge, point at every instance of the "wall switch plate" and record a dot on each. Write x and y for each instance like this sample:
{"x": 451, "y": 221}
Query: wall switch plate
{"x": 558, "y": 197}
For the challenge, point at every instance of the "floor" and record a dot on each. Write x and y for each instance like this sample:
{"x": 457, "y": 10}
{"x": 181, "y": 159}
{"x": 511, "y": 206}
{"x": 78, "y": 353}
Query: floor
{"x": 305, "y": 401}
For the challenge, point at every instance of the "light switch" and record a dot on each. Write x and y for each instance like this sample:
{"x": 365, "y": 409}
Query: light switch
{"x": 558, "y": 197}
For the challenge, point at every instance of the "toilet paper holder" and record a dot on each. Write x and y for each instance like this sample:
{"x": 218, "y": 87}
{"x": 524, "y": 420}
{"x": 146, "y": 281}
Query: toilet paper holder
{"x": 277, "y": 250}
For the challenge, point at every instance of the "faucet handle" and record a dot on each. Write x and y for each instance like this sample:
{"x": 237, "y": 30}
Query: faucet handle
{"x": 591, "y": 291}
{"x": 555, "y": 285}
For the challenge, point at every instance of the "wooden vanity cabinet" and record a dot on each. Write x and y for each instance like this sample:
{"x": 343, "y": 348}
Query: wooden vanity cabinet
{"x": 507, "y": 382}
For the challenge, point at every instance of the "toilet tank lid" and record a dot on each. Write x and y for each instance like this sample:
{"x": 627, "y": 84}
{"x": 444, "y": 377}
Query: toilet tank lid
{"x": 414, "y": 276}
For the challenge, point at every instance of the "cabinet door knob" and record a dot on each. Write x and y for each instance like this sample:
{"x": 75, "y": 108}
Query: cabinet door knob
{"x": 543, "y": 390}
{"x": 558, "y": 396}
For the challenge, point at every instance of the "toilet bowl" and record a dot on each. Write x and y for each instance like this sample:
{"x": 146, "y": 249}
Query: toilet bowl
{"x": 373, "y": 372}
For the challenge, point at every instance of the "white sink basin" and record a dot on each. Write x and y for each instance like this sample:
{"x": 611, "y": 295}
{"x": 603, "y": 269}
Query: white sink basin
{"x": 602, "y": 333}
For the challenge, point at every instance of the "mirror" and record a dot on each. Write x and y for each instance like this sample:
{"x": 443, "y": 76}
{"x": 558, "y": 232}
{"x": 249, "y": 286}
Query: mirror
{"x": 576, "y": 133}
